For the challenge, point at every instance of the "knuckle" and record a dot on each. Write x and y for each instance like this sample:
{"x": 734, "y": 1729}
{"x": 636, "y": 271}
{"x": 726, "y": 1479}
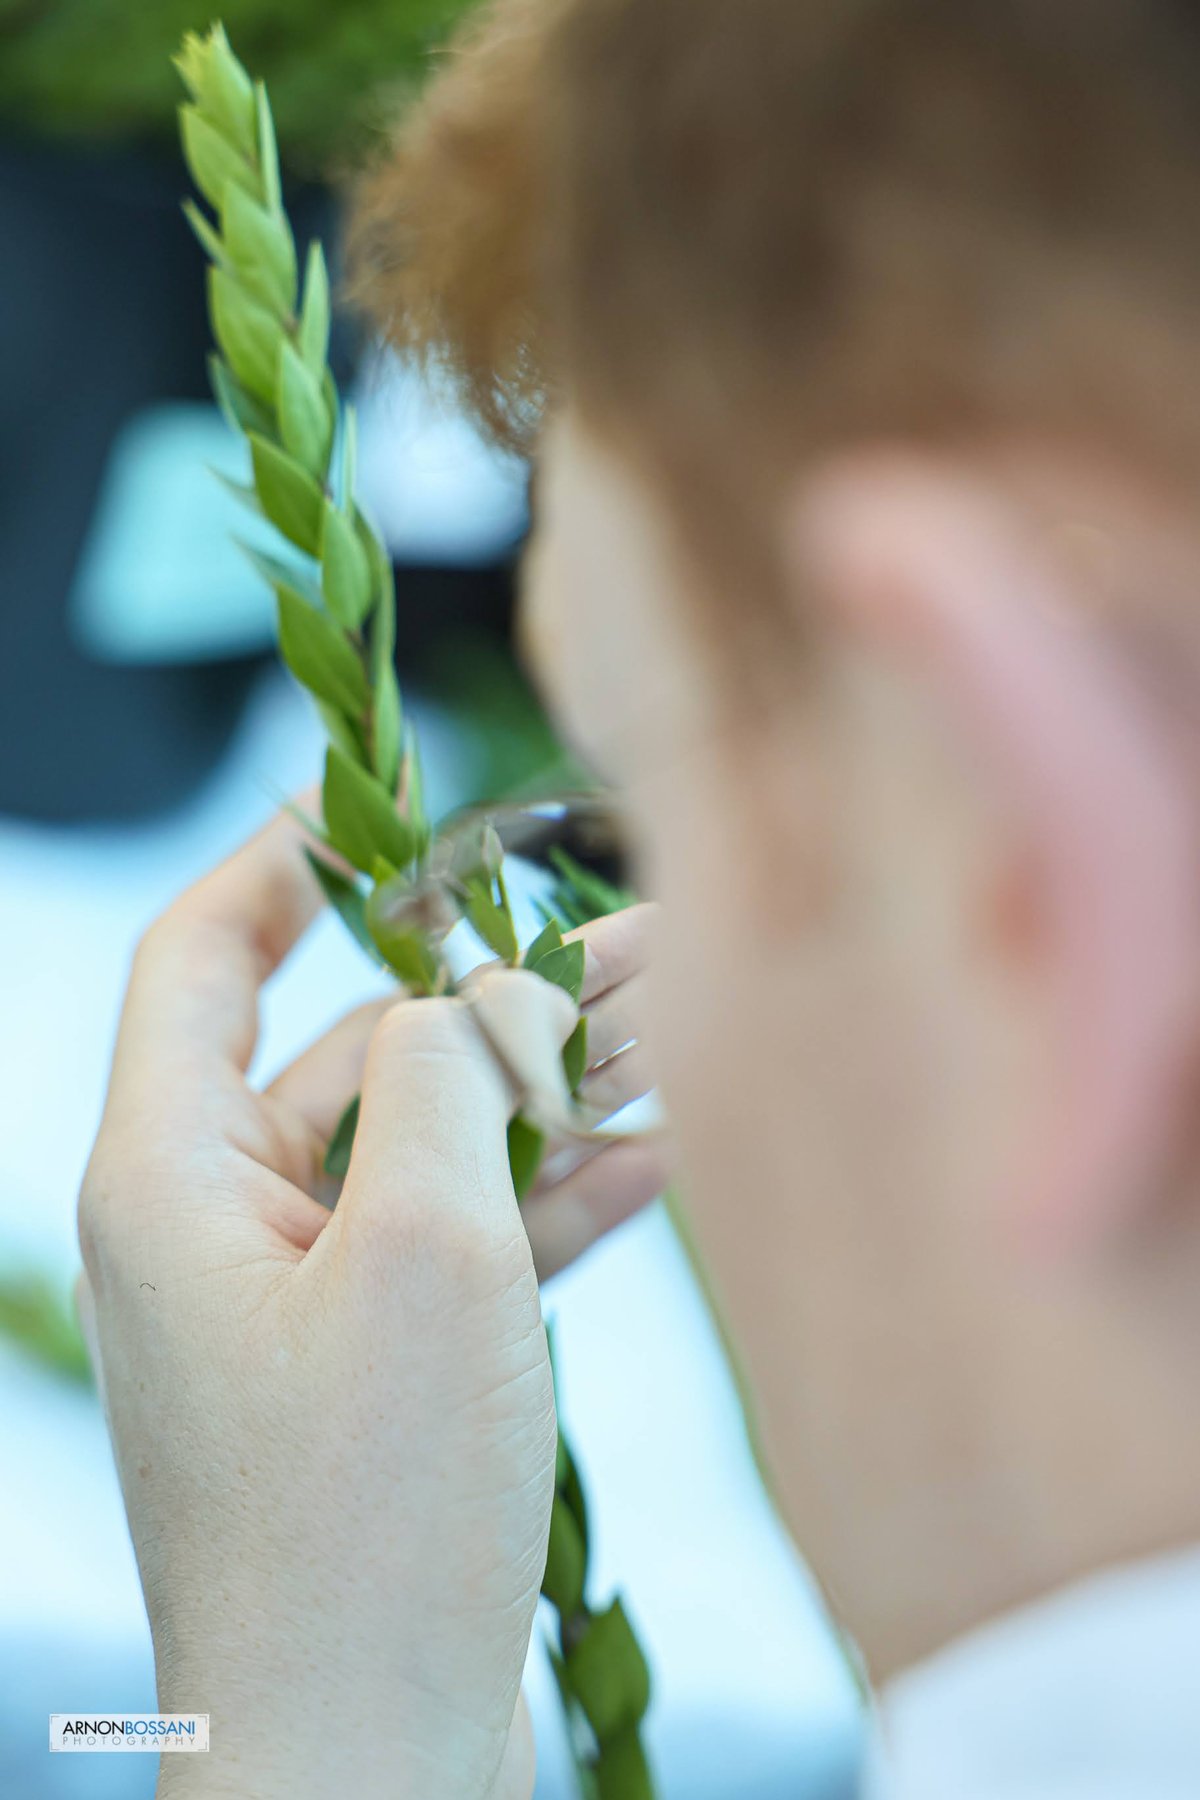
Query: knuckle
{"x": 96, "y": 1212}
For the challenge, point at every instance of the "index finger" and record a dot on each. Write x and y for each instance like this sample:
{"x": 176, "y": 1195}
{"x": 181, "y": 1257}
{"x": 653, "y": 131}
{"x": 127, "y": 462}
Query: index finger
{"x": 192, "y": 1001}
{"x": 617, "y": 947}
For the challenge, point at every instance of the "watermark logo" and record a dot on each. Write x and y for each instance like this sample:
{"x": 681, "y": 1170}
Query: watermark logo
{"x": 129, "y": 1731}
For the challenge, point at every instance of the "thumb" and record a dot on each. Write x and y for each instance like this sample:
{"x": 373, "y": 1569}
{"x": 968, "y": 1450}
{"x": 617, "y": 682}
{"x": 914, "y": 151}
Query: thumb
{"x": 430, "y": 1151}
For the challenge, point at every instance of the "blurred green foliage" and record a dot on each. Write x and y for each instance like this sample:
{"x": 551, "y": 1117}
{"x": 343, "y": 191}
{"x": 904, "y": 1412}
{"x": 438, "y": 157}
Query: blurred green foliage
{"x": 337, "y": 69}
{"x": 507, "y": 747}
{"x": 36, "y": 1317}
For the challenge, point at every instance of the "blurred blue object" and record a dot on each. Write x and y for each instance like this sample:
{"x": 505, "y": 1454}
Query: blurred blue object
{"x": 160, "y": 579}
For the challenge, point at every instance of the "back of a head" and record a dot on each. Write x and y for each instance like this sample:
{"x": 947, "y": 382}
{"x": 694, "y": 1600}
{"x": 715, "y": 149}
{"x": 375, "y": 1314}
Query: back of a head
{"x": 878, "y": 217}
{"x": 865, "y": 303}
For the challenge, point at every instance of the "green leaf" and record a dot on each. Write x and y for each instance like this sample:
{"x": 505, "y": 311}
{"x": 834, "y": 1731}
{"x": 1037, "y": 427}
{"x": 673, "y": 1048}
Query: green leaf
{"x": 609, "y": 1675}
{"x": 268, "y": 150}
{"x": 413, "y": 780}
{"x": 275, "y": 572}
{"x": 404, "y": 947}
{"x": 361, "y": 817}
{"x": 190, "y": 61}
{"x": 383, "y": 583}
{"x": 241, "y": 491}
{"x": 349, "y": 456}
{"x": 259, "y": 243}
{"x": 385, "y": 728}
{"x": 525, "y": 1146}
{"x": 312, "y": 827}
{"x": 207, "y": 237}
{"x": 304, "y": 423}
{"x": 225, "y": 91}
{"x": 548, "y": 938}
{"x": 242, "y": 411}
{"x": 319, "y": 656}
{"x": 248, "y": 335}
{"x": 564, "y": 967}
{"x": 42, "y": 1323}
{"x": 215, "y": 165}
{"x": 313, "y": 337}
{"x": 493, "y": 922}
{"x": 585, "y": 1777}
{"x": 621, "y": 1772}
{"x": 290, "y": 497}
{"x": 345, "y": 571}
{"x": 568, "y": 1484}
{"x": 347, "y": 902}
{"x": 408, "y": 955}
{"x": 566, "y": 1563}
{"x": 343, "y": 732}
{"x": 337, "y": 1155}
{"x": 575, "y": 1055}
{"x": 598, "y": 896}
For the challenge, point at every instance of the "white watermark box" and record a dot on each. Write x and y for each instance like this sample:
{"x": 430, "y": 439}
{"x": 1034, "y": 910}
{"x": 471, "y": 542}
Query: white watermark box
{"x": 129, "y": 1731}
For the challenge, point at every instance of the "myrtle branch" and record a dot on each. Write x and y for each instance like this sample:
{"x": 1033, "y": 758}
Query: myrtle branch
{"x": 336, "y": 604}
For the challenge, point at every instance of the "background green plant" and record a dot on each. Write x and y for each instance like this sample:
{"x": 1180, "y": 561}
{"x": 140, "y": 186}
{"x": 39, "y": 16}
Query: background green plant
{"x": 100, "y": 68}
{"x": 40, "y": 1320}
{"x": 334, "y": 590}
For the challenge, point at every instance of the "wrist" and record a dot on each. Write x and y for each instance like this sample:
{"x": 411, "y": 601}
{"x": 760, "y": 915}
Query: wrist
{"x": 274, "y": 1744}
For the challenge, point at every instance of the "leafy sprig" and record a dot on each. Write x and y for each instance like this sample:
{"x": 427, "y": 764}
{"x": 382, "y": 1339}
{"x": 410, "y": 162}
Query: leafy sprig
{"x": 336, "y": 616}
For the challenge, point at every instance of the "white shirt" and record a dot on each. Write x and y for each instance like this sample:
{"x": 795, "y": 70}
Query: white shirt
{"x": 1093, "y": 1694}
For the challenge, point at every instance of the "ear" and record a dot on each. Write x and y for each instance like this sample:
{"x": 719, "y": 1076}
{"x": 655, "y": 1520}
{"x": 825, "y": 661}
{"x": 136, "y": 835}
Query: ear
{"x": 940, "y": 573}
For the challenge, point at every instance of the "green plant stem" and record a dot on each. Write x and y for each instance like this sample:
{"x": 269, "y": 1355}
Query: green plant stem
{"x": 336, "y": 612}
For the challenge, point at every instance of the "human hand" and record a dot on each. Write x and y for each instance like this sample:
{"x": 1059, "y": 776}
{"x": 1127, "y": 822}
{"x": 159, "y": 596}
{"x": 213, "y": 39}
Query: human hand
{"x": 335, "y": 1432}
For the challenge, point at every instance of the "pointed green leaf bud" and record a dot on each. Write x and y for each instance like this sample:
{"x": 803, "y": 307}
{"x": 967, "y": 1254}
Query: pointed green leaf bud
{"x": 304, "y": 424}
{"x": 289, "y": 496}
{"x": 341, "y": 1144}
{"x": 491, "y": 920}
{"x": 259, "y": 244}
{"x": 525, "y": 1146}
{"x": 346, "y": 901}
{"x": 242, "y": 411}
{"x": 268, "y": 151}
{"x": 345, "y": 571}
{"x": 564, "y": 967}
{"x": 208, "y": 239}
{"x": 248, "y": 335}
{"x": 227, "y": 94}
{"x": 385, "y": 733}
{"x": 608, "y": 1673}
{"x": 361, "y": 817}
{"x": 313, "y": 338}
{"x": 548, "y": 938}
{"x": 214, "y": 163}
{"x": 566, "y": 1562}
{"x": 319, "y": 656}
{"x": 575, "y": 1054}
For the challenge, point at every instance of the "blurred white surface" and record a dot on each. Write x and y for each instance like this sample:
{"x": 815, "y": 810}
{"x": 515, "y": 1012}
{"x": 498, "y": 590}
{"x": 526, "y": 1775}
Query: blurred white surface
{"x": 751, "y": 1698}
{"x": 1093, "y": 1694}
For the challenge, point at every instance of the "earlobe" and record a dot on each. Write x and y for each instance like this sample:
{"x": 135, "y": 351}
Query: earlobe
{"x": 935, "y": 569}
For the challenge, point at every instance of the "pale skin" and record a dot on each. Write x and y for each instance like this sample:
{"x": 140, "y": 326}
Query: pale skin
{"x": 920, "y": 999}
{"x": 944, "y": 887}
{"x": 335, "y": 1432}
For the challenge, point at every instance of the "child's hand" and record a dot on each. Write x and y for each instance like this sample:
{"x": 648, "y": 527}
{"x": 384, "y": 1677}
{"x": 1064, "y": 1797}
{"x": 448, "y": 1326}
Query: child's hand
{"x": 335, "y": 1432}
